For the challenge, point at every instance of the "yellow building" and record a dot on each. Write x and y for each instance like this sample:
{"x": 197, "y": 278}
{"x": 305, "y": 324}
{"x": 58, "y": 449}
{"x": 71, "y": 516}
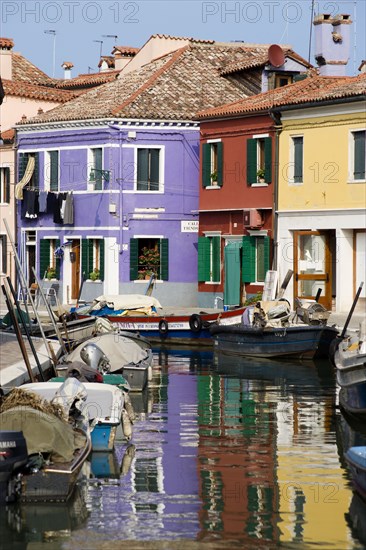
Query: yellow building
{"x": 321, "y": 198}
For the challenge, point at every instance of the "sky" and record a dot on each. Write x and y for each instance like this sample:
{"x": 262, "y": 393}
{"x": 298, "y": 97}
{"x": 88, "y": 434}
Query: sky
{"x": 82, "y": 30}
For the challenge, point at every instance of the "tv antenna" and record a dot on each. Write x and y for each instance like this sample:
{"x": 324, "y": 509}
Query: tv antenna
{"x": 115, "y": 36}
{"x": 101, "y": 46}
{"x": 53, "y": 33}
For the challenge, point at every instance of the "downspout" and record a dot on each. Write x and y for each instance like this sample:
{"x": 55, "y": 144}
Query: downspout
{"x": 276, "y": 117}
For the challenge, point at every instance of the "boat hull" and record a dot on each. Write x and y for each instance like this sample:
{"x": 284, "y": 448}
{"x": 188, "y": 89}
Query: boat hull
{"x": 182, "y": 329}
{"x": 352, "y": 399}
{"x": 294, "y": 341}
{"x": 356, "y": 458}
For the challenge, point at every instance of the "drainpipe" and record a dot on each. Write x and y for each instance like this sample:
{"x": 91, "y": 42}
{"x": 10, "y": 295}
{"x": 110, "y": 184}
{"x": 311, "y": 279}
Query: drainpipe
{"x": 276, "y": 117}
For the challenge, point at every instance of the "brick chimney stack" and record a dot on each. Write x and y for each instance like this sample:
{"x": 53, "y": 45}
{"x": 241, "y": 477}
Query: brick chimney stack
{"x": 332, "y": 43}
{"x": 67, "y": 66}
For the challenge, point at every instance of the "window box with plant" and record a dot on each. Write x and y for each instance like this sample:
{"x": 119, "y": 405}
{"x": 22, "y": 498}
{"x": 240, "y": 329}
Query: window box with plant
{"x": 51, "y": 273}
{"x": 94, "y": 275}
{"x": 261, "y": 175}
{"x": 148, "y": 262}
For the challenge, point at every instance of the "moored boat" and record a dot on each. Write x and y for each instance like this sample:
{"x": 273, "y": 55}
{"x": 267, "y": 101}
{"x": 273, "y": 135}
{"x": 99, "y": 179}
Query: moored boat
{"x": 356, "y": 458}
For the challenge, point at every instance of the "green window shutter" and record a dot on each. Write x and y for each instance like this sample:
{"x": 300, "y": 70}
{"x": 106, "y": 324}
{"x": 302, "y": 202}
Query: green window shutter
{"x": 359, "y": 155}
{"x": 220, "y": 164}
{"x": 268, "y": 159}
{"x": 53, "y": 170}
{"x": 98, "y": 165}
{"x": 3, "y": 253}
{"x": 58, "y": 260}
{"x": 216, "y": 258}
{"x": 204, "y": 254}
{"x": 22, "y": 164}
{"x": 248, "y": 259}
{"x": 7, "y": 185}
{"x": 90, "y": 261}
{"x": 44, "y": 257}
{"x": 101, "y": 259}
{"x": 164, "y": 259}
{"x": 251, "y": 161}
{"x": 35, "y": 178}
{"x": 154, "y": 169}
{"x": 267, "y": 244}
{"x": 206, "y": 165}
{"x": 142, "y": 169}
{"x": 298, "y": 159}
{"x": 134, "y": 258}
{"x": 84, "y": 258}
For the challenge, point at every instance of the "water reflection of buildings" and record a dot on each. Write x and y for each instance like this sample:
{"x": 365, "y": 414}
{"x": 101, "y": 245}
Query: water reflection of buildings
{"x": 268, "y": 464}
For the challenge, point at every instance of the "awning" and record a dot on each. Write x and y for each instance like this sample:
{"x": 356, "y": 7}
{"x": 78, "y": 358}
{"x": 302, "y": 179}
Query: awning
{"x": 26, "y": 178}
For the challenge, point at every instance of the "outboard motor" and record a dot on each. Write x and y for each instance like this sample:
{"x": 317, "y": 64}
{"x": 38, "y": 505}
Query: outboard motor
{"x": 93, "y": 356}
{"x": 13, "y": 456}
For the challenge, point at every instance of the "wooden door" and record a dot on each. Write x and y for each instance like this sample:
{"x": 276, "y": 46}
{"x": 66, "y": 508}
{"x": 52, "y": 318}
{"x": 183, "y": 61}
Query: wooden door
{"x": 313, "y": 266}
{"x": 75, "y": 269}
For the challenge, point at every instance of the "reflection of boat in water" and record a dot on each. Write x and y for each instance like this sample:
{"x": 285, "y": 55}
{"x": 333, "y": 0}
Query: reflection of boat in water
{"x": 268, "y": 369}
{"x": 356, "y": 517}
{"x": 107, "y": 465}
{"x": 24, "y": 523}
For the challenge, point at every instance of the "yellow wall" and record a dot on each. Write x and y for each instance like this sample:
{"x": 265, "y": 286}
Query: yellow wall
{"x": 326, "y": 150}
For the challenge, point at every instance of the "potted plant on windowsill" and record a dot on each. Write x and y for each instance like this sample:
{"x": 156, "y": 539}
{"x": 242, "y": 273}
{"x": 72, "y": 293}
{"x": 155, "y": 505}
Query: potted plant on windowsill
{"x": 214, "y": 177}
{"x": 261, "y": 174}
{"x": 94, "y": 275}
{"x": 51, "y": 273}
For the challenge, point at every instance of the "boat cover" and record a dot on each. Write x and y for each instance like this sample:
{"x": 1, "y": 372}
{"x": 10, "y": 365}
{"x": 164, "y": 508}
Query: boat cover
{"x": 44, "y": 432}
{"x": 125, "y": 301}
{"x": 120, "y": 350}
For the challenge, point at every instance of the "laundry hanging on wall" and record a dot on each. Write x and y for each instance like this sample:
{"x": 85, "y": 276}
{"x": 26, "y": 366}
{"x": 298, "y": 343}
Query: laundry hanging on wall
{"x": 60, "y": 205}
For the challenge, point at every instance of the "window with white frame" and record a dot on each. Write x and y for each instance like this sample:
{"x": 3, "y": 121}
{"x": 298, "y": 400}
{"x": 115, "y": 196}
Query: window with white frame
{"x": 49, "y": 264}
{"x": 148, "y": 176}
{"x": 92, "y": 258}
{"x": 297, "y": 159}
{"x": 28, "y": 167}
{"x": 4, "y": 184}
{"x": 149, "y": 256}
{"x": 212, "y": 164}
{"x": 52, "y": 171}
{"x": 209, "y": 259}
{"x": 96, "y": 173}
{"x": 259, "y": 159}
{"x": 358, "y": 155}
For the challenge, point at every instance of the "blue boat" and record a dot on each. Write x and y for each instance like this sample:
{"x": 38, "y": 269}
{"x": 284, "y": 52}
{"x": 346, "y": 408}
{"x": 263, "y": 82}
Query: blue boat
{"x": 356, "y": 458}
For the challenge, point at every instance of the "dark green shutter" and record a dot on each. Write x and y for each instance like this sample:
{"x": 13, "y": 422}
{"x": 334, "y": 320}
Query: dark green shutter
{"x": 53, "y": 170}
{"x": 35, "y": 178}
{"x": 44, "y": 257}
{"x": 154, "y": 169}
{"x": 267, "y": 244}
{"x": 204, "y": 254}
{"x": 134, "y": 258}
{"x": 6, "y": 197}
{"x": 58, "y": 260}
{"x": 359, "y": 151}
{"x": 164, "y": 259}
{"x": 248, "y": 260}
{"x": 298, "y": 159}
{"x": 216, "y": 258}
{"x": 98, "y": 165}
{"x": 22, "y": 164}
{"x": 101, "y": 259}
{"x": 84, "y": 258}
{"x": 251, "y": 161}
{"x": 206, "y": 165}
{"x": 3, "y": 253}
{"x": 268, "y": 159}
{"x": 142, "y": 169}
{"x": 220, "y": 163}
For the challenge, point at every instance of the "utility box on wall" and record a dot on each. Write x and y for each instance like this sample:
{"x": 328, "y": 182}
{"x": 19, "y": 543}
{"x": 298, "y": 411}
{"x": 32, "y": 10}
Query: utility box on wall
{"x": 252, "y": 218}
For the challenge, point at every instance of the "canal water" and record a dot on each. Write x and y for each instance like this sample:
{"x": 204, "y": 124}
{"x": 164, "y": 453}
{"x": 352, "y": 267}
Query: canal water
{"x": 226, "y": 451}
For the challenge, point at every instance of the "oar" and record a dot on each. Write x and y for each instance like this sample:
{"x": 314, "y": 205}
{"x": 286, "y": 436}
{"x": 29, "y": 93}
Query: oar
{"x": 285, "y": 282}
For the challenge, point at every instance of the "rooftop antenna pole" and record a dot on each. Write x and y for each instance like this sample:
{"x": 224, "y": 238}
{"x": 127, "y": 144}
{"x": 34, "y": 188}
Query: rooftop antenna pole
{"x": 101, "y": 45}
{"x": 115, "y": 36}
{"x": 53, "y": 32}
{"x": 311, "y": 28}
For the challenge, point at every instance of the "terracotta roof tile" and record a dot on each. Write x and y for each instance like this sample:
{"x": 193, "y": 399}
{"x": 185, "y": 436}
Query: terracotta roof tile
{"x": 8, "y": 136}
{"x": 6, "y": 43}
{"x": 88, "y": 80}
{"x": 314, "y": 88}
{"x": 32, "y": 91}
{"x": 194, "y": 40}
{"x": 109, "y": 59}
{"x": 125, "y": 50}
{"x": 258, "y": 56}
{"x": 172, "y": 87}
{"x": 25, "y": 71}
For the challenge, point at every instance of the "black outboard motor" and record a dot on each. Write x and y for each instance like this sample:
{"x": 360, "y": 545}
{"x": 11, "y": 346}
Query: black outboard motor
{"x": 13, "y": 456}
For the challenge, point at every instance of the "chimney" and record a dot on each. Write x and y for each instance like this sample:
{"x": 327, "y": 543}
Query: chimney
{"x": 123, "y": 55}
{"x": 332, "y": 43}
{"x": 6, "y": 58}
{"x": 362, "y": 67}
{"x": 67, "y": 66}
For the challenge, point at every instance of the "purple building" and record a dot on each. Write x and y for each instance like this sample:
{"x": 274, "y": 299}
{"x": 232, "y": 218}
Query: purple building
{"x": 108, "y": 183}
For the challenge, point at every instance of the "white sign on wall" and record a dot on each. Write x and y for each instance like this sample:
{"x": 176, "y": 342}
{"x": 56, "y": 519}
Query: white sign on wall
{"x": 189, "y": 226}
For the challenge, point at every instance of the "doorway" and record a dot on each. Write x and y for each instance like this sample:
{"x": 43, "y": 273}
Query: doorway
{"x": 75, "y": 269}
{"x": 313, "y": 266}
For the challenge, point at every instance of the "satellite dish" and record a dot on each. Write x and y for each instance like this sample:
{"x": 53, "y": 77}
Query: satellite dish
{"x": 275, "y": 55}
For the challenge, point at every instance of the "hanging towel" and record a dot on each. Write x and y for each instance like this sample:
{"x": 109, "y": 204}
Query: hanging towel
{"x": 69, "y": 209}
{"x": 42, "y": 199}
